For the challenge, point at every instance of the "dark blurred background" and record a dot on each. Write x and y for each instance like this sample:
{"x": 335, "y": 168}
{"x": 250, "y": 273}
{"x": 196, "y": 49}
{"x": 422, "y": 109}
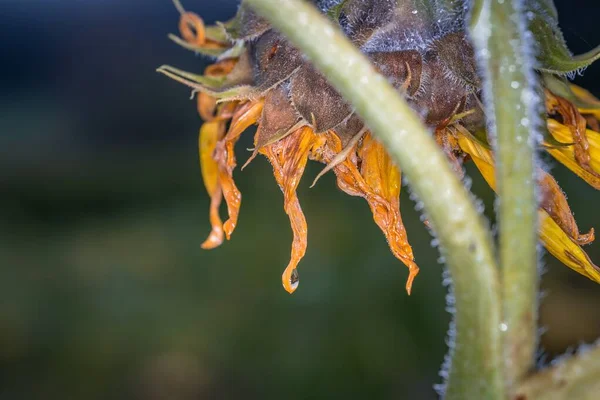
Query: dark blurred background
{"x": 104, "y": 290}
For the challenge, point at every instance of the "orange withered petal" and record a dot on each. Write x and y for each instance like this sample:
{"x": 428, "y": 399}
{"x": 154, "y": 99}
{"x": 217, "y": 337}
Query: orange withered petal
{"x": 554, "y": 202}
{"x": 382, "y": 175}
{"x": 224, "y": 155}
{"x": 193, "y": 31}
{"x": 288, "y": 158}
{"x": 576, "y": 124}
{"x": 221, "y": 68}
{"x": 566, "y": 154}
{"x": 378, "y": 181}
{"x": 210, "y": 134}
{"x": 191, "y": 27}
{"x": 560, "y": 243}
{"x": 207, "y": 104}
{"x": 341, "y": 156}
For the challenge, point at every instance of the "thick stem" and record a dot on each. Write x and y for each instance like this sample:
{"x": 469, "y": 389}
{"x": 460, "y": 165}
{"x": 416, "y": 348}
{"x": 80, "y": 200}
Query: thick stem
{"x": 477, "y": 365}
{"x": 512, "y": 105}
{"x": 574, "y": 378}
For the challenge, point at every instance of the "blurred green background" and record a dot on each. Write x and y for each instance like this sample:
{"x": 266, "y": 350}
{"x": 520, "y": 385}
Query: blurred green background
{"x": 104, "y": 290}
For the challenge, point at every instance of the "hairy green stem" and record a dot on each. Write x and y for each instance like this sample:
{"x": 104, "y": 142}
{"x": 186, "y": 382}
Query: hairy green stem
{"x": 574, "y": 378}
{"x": 476, "y": 371}
{"x": 512, "y": 110}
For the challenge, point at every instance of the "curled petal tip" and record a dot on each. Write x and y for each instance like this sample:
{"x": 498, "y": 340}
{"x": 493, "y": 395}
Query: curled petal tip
{"x": 586, "y": 238}
{"x": 215, "y": 239}
{"x": 228, "y": 227}
{"x": 413, "y": 271}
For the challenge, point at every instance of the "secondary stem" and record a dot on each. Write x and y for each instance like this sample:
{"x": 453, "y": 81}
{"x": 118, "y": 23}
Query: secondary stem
{"x": 574, "y": 378}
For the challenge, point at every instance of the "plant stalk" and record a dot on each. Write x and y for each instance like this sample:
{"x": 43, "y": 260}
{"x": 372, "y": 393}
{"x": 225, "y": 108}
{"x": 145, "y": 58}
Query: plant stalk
{"x": 511, "y": 101}
{"x": 461, "y": 230}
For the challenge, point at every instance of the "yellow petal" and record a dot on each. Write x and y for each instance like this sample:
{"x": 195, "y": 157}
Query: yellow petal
{"x": 588, "y": 98}
{"x": 562, "y": 247}
{"x": 566, "y": 154}
{"x": 482, "y": 157}
{"x": 553, "y": 237}
{"x": 584, "y": 94}
{"x": 207, "y": 142}
{"x": 576, "y": 123}
{"x": 210, "y": 133}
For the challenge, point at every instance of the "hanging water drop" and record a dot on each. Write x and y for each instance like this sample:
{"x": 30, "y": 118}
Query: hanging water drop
{"x": 295, "y": 279}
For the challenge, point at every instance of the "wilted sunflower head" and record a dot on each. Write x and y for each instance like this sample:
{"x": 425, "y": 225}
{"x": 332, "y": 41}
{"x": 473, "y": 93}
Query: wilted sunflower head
{"x": 259, "y": 78}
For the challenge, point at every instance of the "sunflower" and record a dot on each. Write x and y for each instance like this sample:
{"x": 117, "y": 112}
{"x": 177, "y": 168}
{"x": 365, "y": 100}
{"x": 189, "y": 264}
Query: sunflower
{"x": 259, "y": 78}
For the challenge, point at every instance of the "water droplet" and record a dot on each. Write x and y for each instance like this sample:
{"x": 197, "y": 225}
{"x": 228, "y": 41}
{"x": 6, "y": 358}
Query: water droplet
{"x": 295, "y": 279}
{"x": 503, "y": 327}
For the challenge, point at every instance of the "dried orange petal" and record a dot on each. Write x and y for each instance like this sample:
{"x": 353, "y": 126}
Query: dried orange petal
{"x": 378, "y": 181}
{"x": 384, "y": 178}
{"x": 288, "y": 158}
{"x": 554, "y": 203}
{"x": 224, "y": 155}
{"x": 191, "y": 27}
{"x": 576, "y": 123}
{"x": 193, "y": 31}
